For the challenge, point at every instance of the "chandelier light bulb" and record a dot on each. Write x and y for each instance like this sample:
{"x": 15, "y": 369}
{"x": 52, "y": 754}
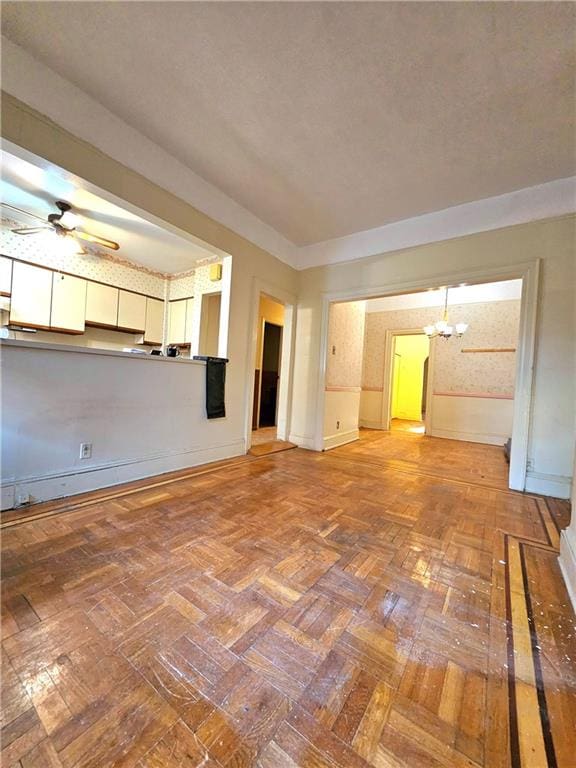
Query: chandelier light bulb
{"x": 441, "y": 327}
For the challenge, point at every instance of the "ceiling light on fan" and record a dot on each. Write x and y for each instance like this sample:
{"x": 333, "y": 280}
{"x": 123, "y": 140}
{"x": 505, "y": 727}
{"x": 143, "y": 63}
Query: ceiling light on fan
{"x": 69, "y": 220}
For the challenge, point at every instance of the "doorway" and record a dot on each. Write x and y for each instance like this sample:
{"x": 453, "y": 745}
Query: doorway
{"x": 270, "y": 374}
{"x": 269, "y": 409}
{"x": 408, "y": 394}
{"x": 479, "y": 391}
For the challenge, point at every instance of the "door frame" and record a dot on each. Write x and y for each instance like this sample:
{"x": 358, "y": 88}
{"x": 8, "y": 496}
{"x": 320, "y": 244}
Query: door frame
{"x": 386, "y": 402}
{"x": 264, "y": 323}
{"x": 528, "y": 272}
{"x": 284, "y": 402}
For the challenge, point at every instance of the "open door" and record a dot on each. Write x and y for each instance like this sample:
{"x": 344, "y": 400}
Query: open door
{"x": 271, "y": 350}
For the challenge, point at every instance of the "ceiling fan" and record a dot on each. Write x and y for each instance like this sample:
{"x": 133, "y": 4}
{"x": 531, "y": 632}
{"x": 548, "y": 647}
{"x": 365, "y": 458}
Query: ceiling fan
{"x": 63, "y": 223}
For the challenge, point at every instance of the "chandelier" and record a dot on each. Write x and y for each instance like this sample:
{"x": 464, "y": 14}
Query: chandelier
{"x": 442, "y": 328}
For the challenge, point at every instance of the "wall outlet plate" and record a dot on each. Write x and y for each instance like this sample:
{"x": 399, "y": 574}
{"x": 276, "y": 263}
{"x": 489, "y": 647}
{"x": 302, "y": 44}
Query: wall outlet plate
{"x": 85, "y": 450}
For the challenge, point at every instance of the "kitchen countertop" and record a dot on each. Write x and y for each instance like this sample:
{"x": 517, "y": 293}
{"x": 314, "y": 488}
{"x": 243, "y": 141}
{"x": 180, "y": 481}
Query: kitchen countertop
{"x": 73, "y": 348}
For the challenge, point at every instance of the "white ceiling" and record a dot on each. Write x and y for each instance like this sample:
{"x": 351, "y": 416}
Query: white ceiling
{"x": 324, "y": 119}
{"x": 503, "y": 290}
{"x": 35, "y": 186}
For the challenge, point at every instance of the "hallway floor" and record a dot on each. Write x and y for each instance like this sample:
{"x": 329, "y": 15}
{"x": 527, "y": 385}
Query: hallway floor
{"x": 405, "y": 425}
{"x": 388, "y": 603}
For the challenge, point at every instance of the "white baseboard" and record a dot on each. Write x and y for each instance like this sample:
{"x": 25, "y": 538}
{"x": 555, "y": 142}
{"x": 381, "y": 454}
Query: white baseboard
{"x": 567, "y": 561}
{"x": 548, "y": 485}
{"x": 340, "y": 438}
{"x": 73, "y": 481}
{"x": 302, "y": 441}
{"x": 469, "y": 437}
{"x": 371, "y": 424}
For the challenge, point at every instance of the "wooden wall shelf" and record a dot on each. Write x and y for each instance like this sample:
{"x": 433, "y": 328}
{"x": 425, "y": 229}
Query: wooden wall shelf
{"x": 488, "y": 349}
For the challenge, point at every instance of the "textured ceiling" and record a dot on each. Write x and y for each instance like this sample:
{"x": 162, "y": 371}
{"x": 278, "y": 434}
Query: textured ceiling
{"x": 324, "y": 119}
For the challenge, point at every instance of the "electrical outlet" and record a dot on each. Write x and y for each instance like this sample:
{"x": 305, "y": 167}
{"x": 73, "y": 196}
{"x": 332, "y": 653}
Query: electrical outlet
{"x": 85, "y": 450}
{"x": 333, "y": 349}
{"x": 337, "y": 425}
{"x": 530, "y": 465}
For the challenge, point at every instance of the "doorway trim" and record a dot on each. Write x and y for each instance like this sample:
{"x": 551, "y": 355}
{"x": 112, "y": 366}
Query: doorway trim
{"x": 528, "y": 272}
{"x": 386, "y": 403}
{"x": 284, "y": 407}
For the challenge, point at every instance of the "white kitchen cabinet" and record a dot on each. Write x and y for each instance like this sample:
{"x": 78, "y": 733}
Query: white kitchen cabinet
{"x": 68, "y": 310}
{"x": 154, "y": 321}
{"x": 31, "y": 295}
{"x": 131, "y": 311}
{"x": 102, "y": 305}
{"x": 177, "y": 322}
{"x": 5, "y": 276}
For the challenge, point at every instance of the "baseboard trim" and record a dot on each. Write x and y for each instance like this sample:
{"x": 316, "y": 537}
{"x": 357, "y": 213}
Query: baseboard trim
{"x": 548, "y": 485}
{"x": 567, "y": 561}
{"x": 340, "y": 438}
{"x": 469, "y": 437}
{"x": 371, "y": 424}
{"x": 302, "y": 441}
{"x": 74, "y": 481}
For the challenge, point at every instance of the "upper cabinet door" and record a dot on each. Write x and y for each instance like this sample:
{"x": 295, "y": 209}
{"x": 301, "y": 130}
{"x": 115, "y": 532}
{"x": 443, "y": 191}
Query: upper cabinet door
{"x": 5, "y": 276}
{"x": 68, "y": 303}
{"x": 102, "y": 305}
{"x": 31, "y": 295}
{"x": 177, "y": 322}
{"x": 131, "y": 311}
{"x": 154, "y": 321}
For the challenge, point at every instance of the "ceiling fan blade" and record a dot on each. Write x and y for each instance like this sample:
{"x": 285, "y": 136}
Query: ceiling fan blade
{"x": 29, "y": 230}
{"x": 19, "y": 210}
{"x": 98, "y": 240}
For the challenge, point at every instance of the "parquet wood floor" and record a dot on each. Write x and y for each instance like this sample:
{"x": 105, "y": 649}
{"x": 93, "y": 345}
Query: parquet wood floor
{"x": 336, "y": 610}
{"x": 265, "y": 440}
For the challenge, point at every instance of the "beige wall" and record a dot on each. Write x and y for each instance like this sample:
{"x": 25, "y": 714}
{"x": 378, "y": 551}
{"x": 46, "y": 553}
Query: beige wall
{"x": 551, "y": 441}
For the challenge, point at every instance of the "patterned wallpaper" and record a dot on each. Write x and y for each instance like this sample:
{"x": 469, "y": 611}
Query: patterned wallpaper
{"x": 492, "y": 324}
{"x": 346, "y": 335}
{"x": 181, "y": 287}
{"x": 105, "y": 267}
{"x": 48, "y": 252}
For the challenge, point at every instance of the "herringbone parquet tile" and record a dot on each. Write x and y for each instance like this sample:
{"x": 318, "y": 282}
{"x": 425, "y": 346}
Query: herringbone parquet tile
{"x": 341, "y": 610}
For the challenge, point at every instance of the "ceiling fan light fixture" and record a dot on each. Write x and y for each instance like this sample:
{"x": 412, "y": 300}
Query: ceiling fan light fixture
{"x": 69, "y": 220}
